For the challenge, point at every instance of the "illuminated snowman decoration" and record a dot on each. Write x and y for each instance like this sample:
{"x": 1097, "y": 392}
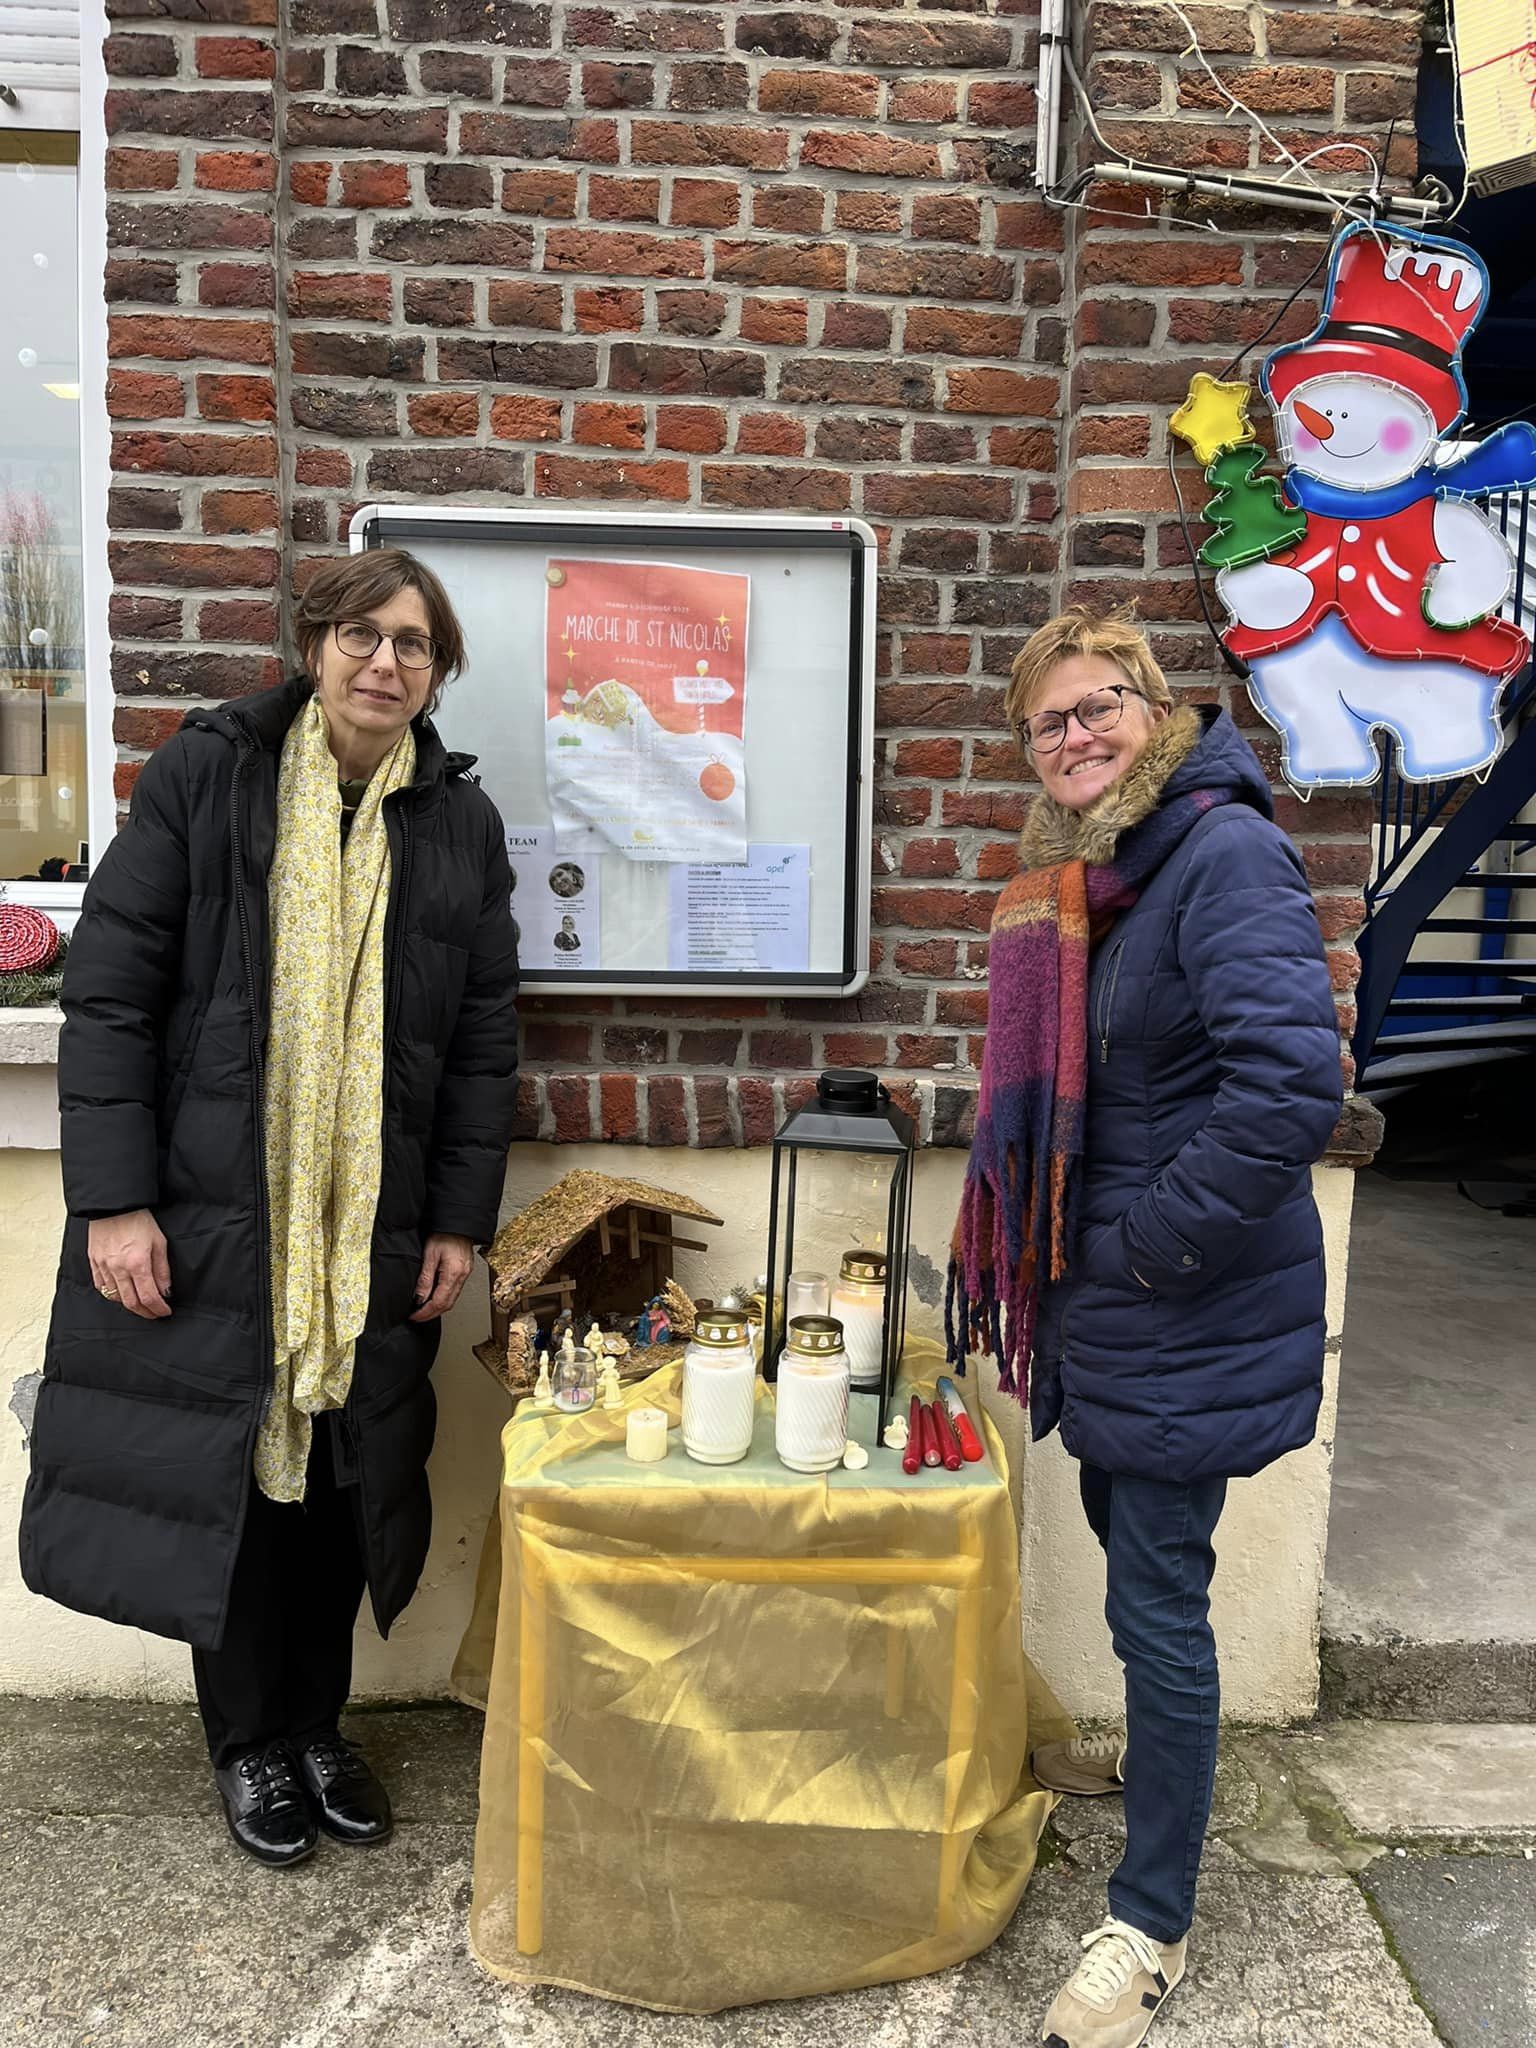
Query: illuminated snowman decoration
{"x": 1382, "y": 615}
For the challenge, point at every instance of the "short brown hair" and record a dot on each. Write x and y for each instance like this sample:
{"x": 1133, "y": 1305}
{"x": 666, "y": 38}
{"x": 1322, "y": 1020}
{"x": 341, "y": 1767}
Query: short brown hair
{"x": 1079, "y": 630}
{"x": 355, "y": 585}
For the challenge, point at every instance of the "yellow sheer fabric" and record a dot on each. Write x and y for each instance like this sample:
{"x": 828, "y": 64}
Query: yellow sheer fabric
{"x": 749, "y": 1734}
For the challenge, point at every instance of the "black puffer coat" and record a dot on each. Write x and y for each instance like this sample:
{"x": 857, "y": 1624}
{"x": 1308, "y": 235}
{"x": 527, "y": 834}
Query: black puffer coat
{"x": 142, "y": 1445}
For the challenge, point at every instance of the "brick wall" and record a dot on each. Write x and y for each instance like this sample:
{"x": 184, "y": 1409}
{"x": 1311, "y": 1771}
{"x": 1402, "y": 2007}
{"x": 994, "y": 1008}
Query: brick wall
{"x": 700, "y": 256}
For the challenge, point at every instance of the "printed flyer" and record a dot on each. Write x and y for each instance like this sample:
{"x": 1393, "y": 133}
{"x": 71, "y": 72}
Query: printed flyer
{"x": 738, "y": 920}
{"x": 645, "y": 668}
{"x": 555, "y": 902}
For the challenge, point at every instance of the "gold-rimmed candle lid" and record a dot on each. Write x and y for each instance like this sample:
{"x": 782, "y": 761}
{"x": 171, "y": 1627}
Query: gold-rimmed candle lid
{"x": 815, "y": 1336}
{"x": 866, "y": 1269}
{"x": 720, "y": 1328}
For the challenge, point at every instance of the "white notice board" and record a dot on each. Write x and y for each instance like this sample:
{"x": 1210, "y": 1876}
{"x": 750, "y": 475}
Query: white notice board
{"x": 674, "y": 714}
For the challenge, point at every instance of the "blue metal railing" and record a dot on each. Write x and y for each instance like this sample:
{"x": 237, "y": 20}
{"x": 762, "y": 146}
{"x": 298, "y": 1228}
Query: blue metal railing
{"x": 1410, "y": 880}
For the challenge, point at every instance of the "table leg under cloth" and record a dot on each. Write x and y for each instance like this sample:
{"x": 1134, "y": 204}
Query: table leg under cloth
{"x": 773, "y": 1773}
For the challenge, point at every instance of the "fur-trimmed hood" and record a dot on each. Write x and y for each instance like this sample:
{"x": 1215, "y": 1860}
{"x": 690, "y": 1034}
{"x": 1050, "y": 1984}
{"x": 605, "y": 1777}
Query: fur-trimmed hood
{"x": 1192, "y": 748}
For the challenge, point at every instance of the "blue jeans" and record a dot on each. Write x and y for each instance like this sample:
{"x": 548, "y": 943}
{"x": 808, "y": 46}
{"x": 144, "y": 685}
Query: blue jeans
{"x": 1157, "y": 1544}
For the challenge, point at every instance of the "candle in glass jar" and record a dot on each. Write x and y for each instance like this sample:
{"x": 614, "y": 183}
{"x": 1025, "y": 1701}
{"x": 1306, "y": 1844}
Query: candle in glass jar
{"x": 806, "y": 1294}
{"x": 719, "y": 1389}
{"x": 858, "y": 1303}
{"x": 810, "y": 1430}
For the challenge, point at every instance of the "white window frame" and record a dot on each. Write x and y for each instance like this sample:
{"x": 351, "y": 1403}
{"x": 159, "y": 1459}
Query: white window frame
{"x": 83, "y": 112}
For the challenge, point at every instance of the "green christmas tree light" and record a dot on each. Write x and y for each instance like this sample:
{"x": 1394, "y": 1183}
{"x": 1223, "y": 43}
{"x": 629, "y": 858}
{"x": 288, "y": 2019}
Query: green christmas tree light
{"x": 1252, "y": 518}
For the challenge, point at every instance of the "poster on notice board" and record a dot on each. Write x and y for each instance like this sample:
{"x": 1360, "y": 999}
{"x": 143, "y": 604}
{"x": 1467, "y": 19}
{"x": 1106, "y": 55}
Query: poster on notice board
{"x": 645, "y": 681}
{"x": 556, "y": 902}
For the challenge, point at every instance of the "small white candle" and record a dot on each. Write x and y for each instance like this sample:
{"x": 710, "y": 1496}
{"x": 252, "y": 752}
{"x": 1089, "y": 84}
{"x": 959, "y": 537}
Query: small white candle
{"x": 645, "y": 1435}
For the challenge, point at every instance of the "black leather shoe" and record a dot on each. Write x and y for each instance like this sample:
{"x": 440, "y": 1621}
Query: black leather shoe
{"x": 265, "y": 1806}
{"x": 347, "y": 1799}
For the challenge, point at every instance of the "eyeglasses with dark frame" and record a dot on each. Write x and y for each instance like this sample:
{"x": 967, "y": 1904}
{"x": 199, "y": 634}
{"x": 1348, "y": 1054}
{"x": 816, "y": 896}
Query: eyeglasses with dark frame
{"x": 412, "y": 650}
{"x": 1100, "y": 711}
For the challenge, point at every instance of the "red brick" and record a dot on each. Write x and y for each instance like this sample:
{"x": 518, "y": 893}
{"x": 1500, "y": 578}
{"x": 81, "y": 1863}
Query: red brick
{"x": 817, "y": 266}
{"x": 770, "y": 433}
{"x": 754, "y": 1101}
{"x": 526, "y": 419}
{"x": 1268, "y": 89}
{"x": 141, "y": 170}
{"x": 770, "y": 486}
{"x": 877, "y": 156}
{"x": 708, "y": 88}
{"x": 666, "y": 1110}
{"x": 309, "y": 183}
{"x": 239, "y": 512}
{"x": 175, "y": 454}
{"x": 946, "y": 217}
{"x": 556, "y": 1044}
{"x": 781, "y": 321}
{"x": 236, "y": 170}
{"x": 1001, "y": 106}
{"x": 525, "y": 302}
{"x": 697, "y": 144}
{"x": 570, "y": 1101}
{"x": 144, "y": 395}
{"x": 935, "y": 909}
{"x": 1330, "y": 33}
{"x": 136, "y": 725}
{"x": 1132, "y": 25}
{"x": 549, "y": 194}
{"x": 709, "y": 1048}
{"x": 931, "y": 101}
{"x": 930, "y": 857}
{"x": 371, "y": 183}
{"x": 1010, "y": 392}
{"x": 609, "y": 426}
{"x": 855, "y": 1049}
{"x": 224, "y": 397}
{"x": 323, "y": 466}
{"x": 609, "y": 310}
{"x": 868, "y": 213}
{"x": 339, "y": 295}
{"x": 996, "y": 861}
{"x": 248, "y": 285}
{"x": 689, "y": 310}
{"x": 789, "y": 209}
{"x": 238, "y": 618}
{"x": 624, "y": 198}
{"x": 931, "y": 957}
{"x": 690, "y": 429}
{"x": 618, "y": 85}
{"x": 623, "y": 255}
{"x": 435, "y": 413}
{"x": 846, "y": 94}
{"x": 190, "y": 563}
{"x": 132, "y": 616}
{"x": 932, "y": 496}
{"x": 704, "y": 203}
{"x": 1337, "y": 864}
{"x": 1023, "y": 447}
{"x": 938, "y": 759}
{"x": 200, "y": 115}
{"x": 139, "y": 56}
{"x": 1145, "y": 261}
{"x": 926, "y": 1050}
{"x": 560, "y": 476}
{"x": 181, "y": 338}
{"x": 234, "y": 57}
{"x": 530, "y": 82}
{"x": 618, "y": 1109}
{"x": 966, "y": 1007}
{"x": 934, "y": 273}
{"x": 921, "y": 45}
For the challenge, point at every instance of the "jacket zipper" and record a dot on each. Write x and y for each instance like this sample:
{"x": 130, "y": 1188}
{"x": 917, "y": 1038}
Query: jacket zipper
{"x": 1106, "y": 1003}
{"x": 399, "y": 887}
{"x": 265, "y": 1333}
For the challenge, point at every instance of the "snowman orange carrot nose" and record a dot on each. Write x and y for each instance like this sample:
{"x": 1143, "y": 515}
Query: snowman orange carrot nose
{"x": 1317, "y": 424}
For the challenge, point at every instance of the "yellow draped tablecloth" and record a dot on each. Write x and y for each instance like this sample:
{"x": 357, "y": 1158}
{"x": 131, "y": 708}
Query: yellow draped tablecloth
{"x": 748, "y": 1734}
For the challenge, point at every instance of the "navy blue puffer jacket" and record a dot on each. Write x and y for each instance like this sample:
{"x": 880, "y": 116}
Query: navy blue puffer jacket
{"x": 1187, "y": 1341}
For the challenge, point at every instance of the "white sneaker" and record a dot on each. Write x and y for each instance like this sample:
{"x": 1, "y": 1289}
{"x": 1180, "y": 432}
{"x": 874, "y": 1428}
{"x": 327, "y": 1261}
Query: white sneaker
{"x": 1116, "y": 1991}
{"x": 1087, "y": 1765}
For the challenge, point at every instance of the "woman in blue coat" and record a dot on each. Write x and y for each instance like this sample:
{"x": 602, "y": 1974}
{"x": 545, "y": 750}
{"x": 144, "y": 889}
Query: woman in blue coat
{"x": 1138, "y": 1239}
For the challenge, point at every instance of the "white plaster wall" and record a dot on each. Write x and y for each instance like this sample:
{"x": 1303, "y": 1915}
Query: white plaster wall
{"x": 1271, "y": 1540}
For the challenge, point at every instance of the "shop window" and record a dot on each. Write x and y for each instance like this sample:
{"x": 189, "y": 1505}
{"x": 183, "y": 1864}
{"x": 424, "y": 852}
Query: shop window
{"x": 43, "y": 781}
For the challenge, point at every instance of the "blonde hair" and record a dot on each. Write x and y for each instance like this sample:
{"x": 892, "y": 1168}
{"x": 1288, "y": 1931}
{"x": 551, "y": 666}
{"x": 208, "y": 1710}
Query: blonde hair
{"x": 1114, "y": 635}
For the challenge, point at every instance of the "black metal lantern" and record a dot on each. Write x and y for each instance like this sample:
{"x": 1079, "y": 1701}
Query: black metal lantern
{"x": 850, "y": 1137}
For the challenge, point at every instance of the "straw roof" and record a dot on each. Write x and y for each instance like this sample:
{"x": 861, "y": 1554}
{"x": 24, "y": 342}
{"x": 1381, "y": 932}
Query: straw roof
{"x": 528, "y": 1248}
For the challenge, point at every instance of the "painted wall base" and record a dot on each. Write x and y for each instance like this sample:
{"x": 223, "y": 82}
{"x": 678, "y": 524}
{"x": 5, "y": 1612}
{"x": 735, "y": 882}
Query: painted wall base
{"x": 1269, "y": 1578}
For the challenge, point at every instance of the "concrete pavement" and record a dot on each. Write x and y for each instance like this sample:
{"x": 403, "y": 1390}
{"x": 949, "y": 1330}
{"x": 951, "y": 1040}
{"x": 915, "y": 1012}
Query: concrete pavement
{"x": 127, "y": 1920}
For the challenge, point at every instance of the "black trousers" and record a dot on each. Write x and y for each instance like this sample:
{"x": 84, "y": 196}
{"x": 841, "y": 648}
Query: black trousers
{"x": 285, "y": 1667}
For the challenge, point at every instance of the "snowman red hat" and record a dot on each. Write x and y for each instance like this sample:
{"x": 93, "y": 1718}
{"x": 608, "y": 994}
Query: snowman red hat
{"x": 1397, "y": 307}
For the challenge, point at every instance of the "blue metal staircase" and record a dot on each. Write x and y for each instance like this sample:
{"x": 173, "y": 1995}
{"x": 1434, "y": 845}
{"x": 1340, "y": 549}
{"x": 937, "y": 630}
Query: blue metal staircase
{"x": 1422, "y": 1017}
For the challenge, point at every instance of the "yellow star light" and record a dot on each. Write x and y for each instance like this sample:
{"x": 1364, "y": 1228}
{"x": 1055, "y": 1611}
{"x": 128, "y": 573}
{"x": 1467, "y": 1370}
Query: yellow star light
{"x": 1213, "y": 417}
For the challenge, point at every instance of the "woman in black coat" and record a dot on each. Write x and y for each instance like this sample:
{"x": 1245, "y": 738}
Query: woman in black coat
{"x": 287, "y": 1080}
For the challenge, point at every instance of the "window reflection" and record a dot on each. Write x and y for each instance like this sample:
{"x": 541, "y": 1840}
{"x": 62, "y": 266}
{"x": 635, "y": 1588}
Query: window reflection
{"x": 42, "y": 671}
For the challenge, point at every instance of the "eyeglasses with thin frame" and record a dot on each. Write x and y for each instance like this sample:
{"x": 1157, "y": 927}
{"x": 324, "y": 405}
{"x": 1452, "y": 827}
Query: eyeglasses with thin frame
{"x": 412, "y": 650}
{"x": 1100, "y": 711}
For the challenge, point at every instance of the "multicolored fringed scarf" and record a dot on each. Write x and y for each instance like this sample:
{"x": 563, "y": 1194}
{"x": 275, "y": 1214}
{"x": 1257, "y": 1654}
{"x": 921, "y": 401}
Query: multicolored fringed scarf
{"x": 1082, "y": 869}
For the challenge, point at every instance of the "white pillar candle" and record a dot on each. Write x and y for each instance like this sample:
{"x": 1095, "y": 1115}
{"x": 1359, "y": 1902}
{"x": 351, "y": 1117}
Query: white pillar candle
{"x": 645, "y": 1435}
{"x": 858, "y": 1303}
{"x": 810, "y": 1428}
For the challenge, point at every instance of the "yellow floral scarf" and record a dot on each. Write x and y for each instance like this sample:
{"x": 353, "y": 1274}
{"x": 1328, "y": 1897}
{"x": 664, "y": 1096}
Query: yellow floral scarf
{"x": 325, "y": 1080}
